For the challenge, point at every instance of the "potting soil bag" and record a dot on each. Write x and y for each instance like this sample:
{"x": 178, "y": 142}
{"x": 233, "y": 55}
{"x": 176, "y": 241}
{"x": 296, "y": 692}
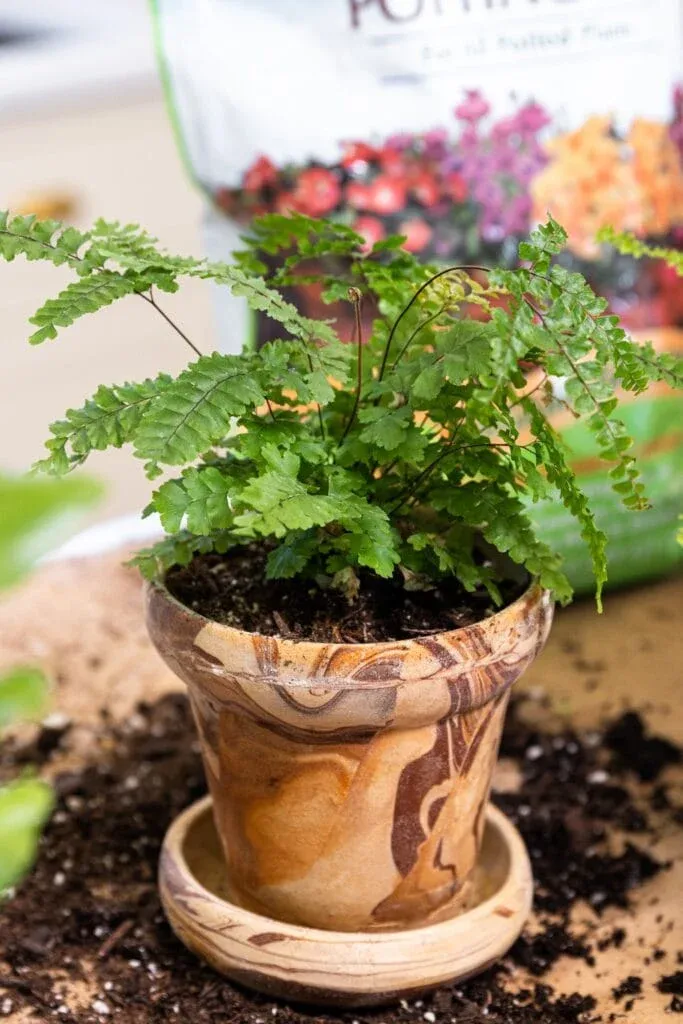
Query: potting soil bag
{"x": 459, "y": 124}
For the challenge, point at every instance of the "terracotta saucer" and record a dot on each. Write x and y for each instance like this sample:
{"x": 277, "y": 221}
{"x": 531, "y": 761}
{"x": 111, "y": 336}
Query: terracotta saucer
{"x": 310, "y": 965}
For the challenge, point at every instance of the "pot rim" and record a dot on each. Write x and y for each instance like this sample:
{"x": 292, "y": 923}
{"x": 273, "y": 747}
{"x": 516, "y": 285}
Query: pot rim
{"x": 533, "y": 596}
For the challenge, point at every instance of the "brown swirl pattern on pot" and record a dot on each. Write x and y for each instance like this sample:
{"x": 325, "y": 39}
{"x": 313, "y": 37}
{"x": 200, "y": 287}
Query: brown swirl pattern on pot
{"x": 349, "y": 781}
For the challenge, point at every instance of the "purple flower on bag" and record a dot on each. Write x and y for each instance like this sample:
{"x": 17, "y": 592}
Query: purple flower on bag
{"x": 531, "y": 119}
{"x": 435, "y": 143}
{"x": 473, "y": 108}
{"x": 399, "y": 141}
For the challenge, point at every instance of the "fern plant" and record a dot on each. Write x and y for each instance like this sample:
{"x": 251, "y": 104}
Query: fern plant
{"x": 393, "y": 453}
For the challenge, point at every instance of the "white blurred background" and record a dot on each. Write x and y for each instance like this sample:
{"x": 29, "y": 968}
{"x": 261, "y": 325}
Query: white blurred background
{"x": 84, "y": 133}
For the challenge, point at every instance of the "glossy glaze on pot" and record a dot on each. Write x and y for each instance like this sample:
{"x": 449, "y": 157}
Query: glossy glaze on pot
{"x": 350, "y": 781}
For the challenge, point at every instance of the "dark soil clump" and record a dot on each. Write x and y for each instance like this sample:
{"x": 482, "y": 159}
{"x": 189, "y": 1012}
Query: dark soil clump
{"x": 672, "y": 984}
{"x": 232, "y": 589}
{"x": 92, "y": 897}
{"x": 631, "y": 986}
{"x": 634, "y": 749}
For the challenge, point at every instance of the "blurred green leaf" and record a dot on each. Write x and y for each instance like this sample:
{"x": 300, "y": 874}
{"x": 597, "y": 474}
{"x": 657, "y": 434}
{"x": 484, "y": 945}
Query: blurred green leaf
{"x": 25, "y": 806}
{"x": 35, "y": 516}
{"x": 23, "y": 693}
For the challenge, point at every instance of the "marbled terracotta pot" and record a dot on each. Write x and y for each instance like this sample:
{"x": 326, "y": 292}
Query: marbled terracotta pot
{"x": 349, "y": 782}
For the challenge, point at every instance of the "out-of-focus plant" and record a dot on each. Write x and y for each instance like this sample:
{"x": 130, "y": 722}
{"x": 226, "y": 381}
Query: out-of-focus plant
{"x": 35, "y": 515}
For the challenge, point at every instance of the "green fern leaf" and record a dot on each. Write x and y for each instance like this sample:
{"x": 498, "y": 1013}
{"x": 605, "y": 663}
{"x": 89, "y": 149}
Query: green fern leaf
{"x": 202, "y": 498}
{"x": 292, "y": 556}
{"x": 109, "y": 419}
{"x": 503, "y": 521}
{"x": 561, "y": 475}
{"x": 278, "y": 503}
{"x": 38, "y": 240}
{"x": 195, "y": 411}
{"x": 546, "y": 241}
{"x": 79, "y": 298}
{"x": 628, "y": 245}
{"x": 372, "y": 541}
{"x": 385, "y": 428}
{"x": 266, "y": 300}
{"x": 180, "y": 549}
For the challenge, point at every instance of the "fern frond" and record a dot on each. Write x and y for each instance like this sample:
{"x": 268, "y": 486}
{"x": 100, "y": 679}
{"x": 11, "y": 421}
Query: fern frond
{"x": 637, "y": 365}
{"x": 180, "y": 549}
{"x": 39, "y": 239}
{"x": 629, "y": 245}
{"x": 560, "y": 473}
{"x": 200, "y": 499}
{"x": 399, "y": 451}
{"x": 86, "y": 295}
{"x": 109, "y": 419}
{"x": 268, "y": 301}
{"x": 277, "y": 502}
{"x": 195, "y": 412}
{"x": 503, "y": 521}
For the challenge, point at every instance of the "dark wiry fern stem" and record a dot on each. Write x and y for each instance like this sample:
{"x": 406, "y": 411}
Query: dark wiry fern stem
{"x": 418, "y": 293}
{"x": 420, "y": 327}
{"x": 152, "y": 301}
{"x": 72, "y": 259}
{"x": 355, "y": 297}
{"x": 412, "y": 488}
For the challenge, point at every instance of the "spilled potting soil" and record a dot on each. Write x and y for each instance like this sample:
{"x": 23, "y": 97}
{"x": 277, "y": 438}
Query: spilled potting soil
{"x": 86, "y": 929}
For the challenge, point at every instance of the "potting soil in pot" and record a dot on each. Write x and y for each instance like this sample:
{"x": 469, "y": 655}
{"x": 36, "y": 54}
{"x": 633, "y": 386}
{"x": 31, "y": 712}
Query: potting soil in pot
{"x": 232, "y": 589}
{"x": 85, "y": 939}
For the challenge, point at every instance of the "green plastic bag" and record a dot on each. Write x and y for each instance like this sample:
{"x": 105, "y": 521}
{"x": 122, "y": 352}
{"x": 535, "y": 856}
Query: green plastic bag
{"x": 642, "y": 545}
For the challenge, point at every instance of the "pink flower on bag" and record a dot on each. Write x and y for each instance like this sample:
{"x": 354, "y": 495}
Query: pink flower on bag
{"x": 227, "y": 200}
{"x": 286, "y": 203}
{"x": 317, "y": 191}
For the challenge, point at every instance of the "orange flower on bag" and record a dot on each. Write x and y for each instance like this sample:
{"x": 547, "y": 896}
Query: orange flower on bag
{"x": 595, "y": 179}
{"x": 588, "y": 183}
{"x": 658, "y": 170}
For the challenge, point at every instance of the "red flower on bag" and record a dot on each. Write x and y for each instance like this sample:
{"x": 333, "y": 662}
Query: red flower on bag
{"x": 286, "y": 203}
{"x": 418, "y": 234}
{"x": 392, "y": 161}
{"x": 317, "y": 191}
{"x": 425, "y": 188}
{"x": 455, "y": 187}
{"x": 355, "y": 152}
{"x": 358, "y": 195}
{"x": 261, "y": 173}
{"x": 387, "y": 194}
{"x": 371, "y": 229}
{"x": 226, "y": 200}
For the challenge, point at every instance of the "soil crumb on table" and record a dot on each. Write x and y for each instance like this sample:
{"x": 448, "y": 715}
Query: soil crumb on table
{"x": 84, "y": 940}
{"x": 232, "y": 589}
